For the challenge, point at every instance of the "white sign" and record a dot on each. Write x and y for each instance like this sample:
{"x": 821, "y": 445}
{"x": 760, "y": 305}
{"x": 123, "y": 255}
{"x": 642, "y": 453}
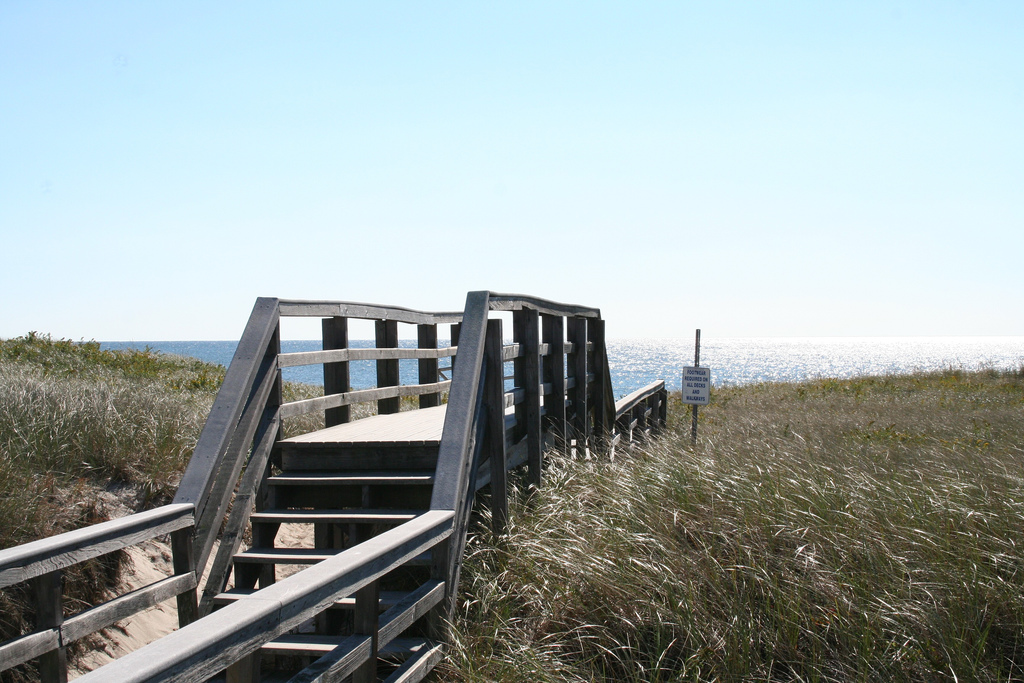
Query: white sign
{"x": 697, "y": 386}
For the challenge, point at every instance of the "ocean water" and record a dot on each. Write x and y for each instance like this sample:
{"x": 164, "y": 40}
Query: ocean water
{"x": 739, "y": 360}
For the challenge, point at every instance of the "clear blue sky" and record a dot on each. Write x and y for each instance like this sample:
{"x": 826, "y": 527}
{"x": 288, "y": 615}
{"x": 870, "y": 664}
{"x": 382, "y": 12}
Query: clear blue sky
{"x": 751, "y": 168}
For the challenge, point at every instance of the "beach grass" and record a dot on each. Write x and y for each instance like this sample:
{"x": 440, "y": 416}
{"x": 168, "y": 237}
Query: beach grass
{"x": 834, "y": 530}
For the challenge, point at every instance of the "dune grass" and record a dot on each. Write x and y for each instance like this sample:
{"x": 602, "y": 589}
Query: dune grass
{"x": 834, "y": 530}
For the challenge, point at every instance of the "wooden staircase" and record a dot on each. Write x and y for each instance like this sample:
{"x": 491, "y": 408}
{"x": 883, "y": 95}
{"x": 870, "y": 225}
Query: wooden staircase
{"x": 349, "y": 482}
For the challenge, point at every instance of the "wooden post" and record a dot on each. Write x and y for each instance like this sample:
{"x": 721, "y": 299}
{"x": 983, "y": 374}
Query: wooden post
{"x": 600, "y": 391}
{"x": 440, "y": 616}
{"x": 49, "y": 603}
{"x": 576, "y": 329}
{"x": 366, "y": 620}
{"x": 387, "y": 370}
{"x": 494, "y": 404}
{"x": 245, "y": 670}
{"x": 696, "y": 364}
{"x": 427, "y": 339}
{"x": 456, "y": 329}
{"x": 267, "y": 533}
{"x": 336, "y": 375}
{"x": 527, "y": 374}
{"x": 184, "y": 563}
{"x": 553, "y": 332}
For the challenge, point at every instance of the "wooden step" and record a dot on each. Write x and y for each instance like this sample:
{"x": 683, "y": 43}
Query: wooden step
{"x": 376, "y": 478}
{"x": 346, "y": 516}
{"x": 418, "y": 664}
{"x": 315, "y": 644}
{"x": 388, "y": 599}
{"x": 345, "y": 457}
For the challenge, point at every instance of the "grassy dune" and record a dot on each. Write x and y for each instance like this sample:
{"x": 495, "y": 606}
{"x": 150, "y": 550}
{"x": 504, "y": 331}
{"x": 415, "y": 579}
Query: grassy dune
{"x": 860, "y": 530}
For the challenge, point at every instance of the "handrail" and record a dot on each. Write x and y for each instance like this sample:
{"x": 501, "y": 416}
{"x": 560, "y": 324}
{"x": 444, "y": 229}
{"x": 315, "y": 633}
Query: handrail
{"x": 43, "y": 562}
{"x": 645, "y": 408}
{"x": 518, "y": 302}
{"x": 227, "y": 408}
{"x": 626, "y": 403}
{"x": 351, "y": 309}
{"x": 30, "y": 560}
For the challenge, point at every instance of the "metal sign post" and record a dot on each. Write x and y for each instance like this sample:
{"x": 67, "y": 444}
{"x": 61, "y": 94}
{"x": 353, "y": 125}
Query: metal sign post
{"x": 696, "y": 386}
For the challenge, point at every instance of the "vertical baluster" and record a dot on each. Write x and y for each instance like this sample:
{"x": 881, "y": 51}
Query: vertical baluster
{"x": 184, "y": 563}
{"x": 600, "y": 392}
{"x": 456, "y": 329}
{"x": 527, "y": 374}
{"x": 494, "y": 404}
{"x": 387, "y": 370}
{"x": 336, "y": 375}
{"x": 49, "y": 602}
{"x": 427, "y": 339}
{"x": 554, "y": 374}
{"x": 366, "y": 618}
{"x": 576, "y": 329}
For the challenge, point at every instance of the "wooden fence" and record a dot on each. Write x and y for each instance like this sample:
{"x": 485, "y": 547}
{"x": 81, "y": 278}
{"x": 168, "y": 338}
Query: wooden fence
{"x": 561, "y": 398}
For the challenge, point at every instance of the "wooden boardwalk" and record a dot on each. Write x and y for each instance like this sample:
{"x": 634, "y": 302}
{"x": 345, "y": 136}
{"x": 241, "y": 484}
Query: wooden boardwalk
{"x": 388, "y": 497}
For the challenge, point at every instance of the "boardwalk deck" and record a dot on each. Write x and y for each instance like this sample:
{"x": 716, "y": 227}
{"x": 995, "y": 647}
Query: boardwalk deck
{"x": 411, "y": 428}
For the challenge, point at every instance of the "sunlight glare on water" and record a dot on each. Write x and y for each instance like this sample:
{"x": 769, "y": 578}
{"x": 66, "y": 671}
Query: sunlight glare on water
{"x": 747, "y": 360}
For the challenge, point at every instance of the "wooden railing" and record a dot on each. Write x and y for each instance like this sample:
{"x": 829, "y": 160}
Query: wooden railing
{"x": 42, "y": 562}
{"x": 641, "y": 414}
{"x": 561, "y": 397}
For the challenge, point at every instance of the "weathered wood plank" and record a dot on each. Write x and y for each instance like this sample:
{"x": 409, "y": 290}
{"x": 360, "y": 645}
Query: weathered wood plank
{"x": 40, "y": 557}
{"x": 338, "y": 664}
{"x": 298, "y": 358}
{"x": 124, "y": 606}
{"x": 229, "y": 404}
{"x": 265, "y": 395}
{"x": 518, "y": 302}
{"x": 244, "y": 502}
{"x": 412, "y": 607}
{"x": 27, "y": 647}
{"x": 459, "y": 447}
{"x": 352, "y": 309}
{"x": 463, "y": 399}
{"x": 511, "y": 352}
{"x": 310, "y": 405}
{"x": 416, "y": 667}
